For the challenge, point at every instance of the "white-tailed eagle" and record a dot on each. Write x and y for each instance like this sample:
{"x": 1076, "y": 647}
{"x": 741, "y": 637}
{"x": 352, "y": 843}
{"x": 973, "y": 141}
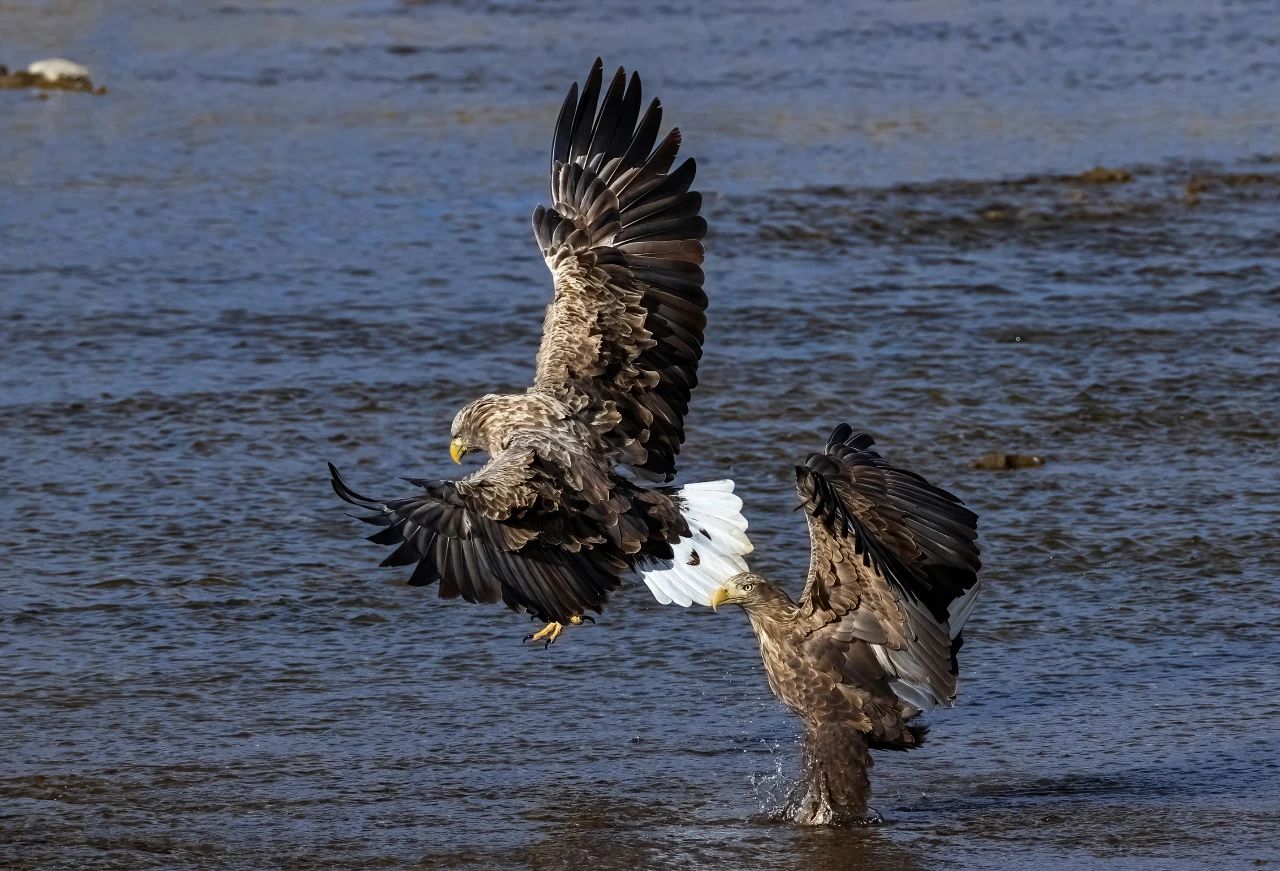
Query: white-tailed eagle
{"x": 551, "y": 523}
{"x": 893, "y": 575}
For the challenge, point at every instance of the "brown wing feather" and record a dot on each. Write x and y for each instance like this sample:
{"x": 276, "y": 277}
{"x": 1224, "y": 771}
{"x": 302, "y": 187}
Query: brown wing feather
{"x": 624, "y": 330}
{"x": 894, "y": 564}
{"x": 484, "y": 538}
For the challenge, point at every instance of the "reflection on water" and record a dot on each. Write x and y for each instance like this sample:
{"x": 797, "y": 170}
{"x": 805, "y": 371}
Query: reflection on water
{"x": 297, "y": 233}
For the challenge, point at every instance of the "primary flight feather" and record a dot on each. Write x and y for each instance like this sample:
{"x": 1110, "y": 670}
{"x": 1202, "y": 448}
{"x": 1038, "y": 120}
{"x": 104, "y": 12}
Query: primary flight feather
{"x": 549, "y": 525}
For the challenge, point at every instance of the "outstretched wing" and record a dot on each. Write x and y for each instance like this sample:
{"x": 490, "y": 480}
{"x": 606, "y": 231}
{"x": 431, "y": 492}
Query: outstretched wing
{"x": 624, "y": 330}
{"x": 483, "y": 540}
{"x": 893, "y": 563}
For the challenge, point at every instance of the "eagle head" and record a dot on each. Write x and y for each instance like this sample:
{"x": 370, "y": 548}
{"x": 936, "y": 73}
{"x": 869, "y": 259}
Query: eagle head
{"x": 750, "y": 591}
{"x": 487, "y": 423}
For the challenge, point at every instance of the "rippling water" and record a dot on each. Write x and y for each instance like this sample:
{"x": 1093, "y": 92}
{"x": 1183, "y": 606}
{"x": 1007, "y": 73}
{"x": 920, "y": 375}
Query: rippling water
{"x": 293, "y": 233}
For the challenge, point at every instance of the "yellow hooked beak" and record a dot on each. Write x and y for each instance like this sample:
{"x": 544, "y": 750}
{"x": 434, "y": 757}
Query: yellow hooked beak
{"x": 719, "y": 597}
{"x": 457, "y": 451}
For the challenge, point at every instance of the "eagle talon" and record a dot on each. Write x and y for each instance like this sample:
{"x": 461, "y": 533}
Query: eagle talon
{"x": 549, "y": 633}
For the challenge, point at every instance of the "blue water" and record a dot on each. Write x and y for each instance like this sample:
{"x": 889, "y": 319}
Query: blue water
{"x": 292, "y": 233}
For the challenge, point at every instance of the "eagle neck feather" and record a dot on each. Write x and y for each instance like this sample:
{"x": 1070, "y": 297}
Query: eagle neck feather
{"x": 773, "y": 616}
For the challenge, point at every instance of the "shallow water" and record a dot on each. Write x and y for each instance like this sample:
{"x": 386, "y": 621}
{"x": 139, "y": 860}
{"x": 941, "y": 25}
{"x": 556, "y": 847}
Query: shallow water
{"x": 298, "y": 233}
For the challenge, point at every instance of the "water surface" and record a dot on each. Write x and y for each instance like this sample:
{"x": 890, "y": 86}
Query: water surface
{"x": 293, "y": 233}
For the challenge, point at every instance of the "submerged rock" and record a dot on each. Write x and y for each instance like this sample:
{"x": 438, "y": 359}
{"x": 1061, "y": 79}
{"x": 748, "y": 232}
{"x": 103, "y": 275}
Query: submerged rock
{"x": 55, "y": 73}
{"x": 1103, "y": 175}
{"x": 999, "y": 213}
{"x": 997, "y": 460}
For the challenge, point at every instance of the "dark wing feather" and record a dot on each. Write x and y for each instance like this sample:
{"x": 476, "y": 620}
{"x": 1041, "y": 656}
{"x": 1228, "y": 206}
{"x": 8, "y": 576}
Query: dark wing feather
{"x": 625, "y": 327}
{"x": 452, "y": 537}
{"x": 893, "y": 563}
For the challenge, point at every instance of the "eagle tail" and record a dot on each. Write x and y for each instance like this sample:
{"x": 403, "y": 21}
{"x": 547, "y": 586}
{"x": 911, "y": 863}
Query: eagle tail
{"x": 712, "y": 553}
{"x": 834, "y": 787}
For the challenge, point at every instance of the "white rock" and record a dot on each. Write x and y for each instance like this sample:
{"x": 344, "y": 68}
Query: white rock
{"x": 55, "y": 68}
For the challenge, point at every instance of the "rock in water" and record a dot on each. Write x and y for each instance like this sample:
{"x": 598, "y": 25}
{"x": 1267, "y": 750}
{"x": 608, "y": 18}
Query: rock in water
{"x": 51, "y": 74}
{"x": 57, "y": 69}
{"x": 999, "y": 460}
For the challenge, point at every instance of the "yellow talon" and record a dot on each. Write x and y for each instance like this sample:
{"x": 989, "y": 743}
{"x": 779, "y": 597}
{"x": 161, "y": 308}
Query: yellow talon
{"x": 551, "y": 631}
{"x": 548, "y": 633}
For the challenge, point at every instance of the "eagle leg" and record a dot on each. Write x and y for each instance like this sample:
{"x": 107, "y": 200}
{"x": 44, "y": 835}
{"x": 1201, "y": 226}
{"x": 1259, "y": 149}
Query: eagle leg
{"x": 549, "y": 633}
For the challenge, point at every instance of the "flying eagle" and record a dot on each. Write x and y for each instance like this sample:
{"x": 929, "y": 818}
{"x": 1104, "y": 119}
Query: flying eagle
{"x": 893, "y": 575}
{"x": 552, "y": 522}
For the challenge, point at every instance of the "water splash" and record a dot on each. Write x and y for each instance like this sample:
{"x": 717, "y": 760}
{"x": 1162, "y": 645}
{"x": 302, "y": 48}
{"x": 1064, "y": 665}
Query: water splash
{"x": 809, "y": 804}
{"x": 802, "y": 799}
{"x": 772, "y": 790}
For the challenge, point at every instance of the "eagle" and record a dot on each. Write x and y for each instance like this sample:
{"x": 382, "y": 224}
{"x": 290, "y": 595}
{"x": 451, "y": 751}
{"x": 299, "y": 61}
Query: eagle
{"x": 575, "y": 497}
{"x": 872, "y": 643}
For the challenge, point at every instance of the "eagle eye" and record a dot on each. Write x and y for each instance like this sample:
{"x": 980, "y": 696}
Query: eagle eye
{"x": 747, "y": 588}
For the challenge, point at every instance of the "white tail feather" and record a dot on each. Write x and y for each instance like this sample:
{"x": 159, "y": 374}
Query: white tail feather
{"x": 709, "y": 556}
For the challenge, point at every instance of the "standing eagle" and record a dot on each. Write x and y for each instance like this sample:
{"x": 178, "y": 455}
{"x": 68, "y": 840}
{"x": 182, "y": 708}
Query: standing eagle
{"x": 550, "y": 525}
{"x": 893, "y": 575}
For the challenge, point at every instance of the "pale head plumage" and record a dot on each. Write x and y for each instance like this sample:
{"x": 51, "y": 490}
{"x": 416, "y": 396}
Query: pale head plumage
{"x": 754, "y": 594}
{"x": 486, "y": 424}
